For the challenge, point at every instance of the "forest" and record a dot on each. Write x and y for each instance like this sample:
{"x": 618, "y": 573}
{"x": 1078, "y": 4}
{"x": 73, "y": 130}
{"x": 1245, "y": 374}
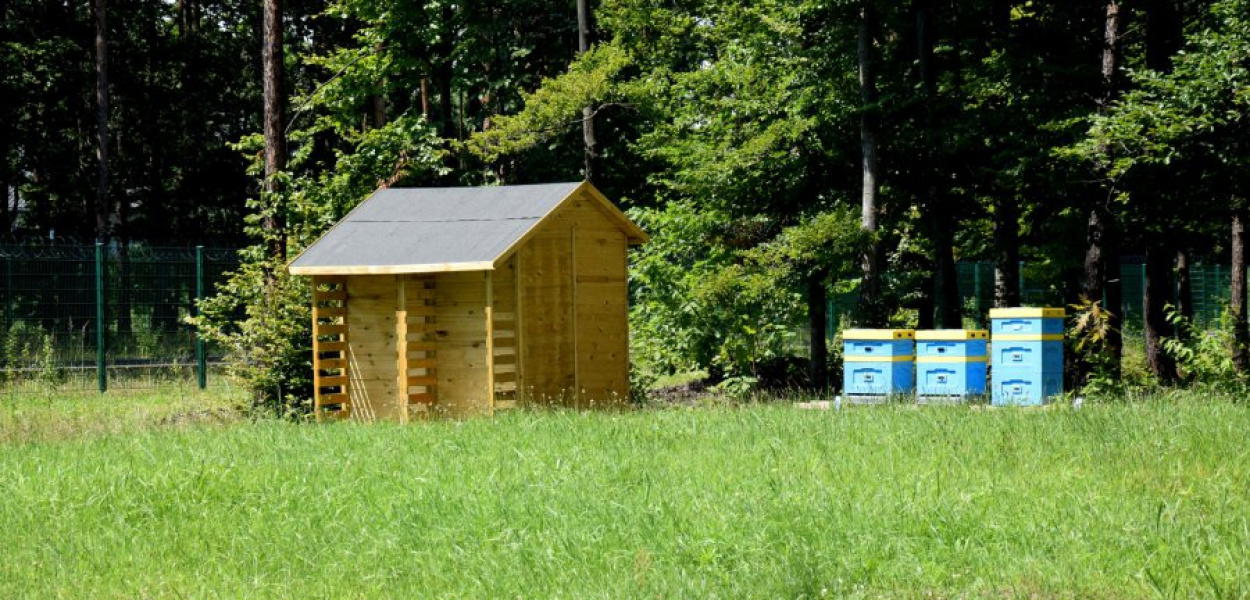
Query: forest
{"x": 780, "y": 153}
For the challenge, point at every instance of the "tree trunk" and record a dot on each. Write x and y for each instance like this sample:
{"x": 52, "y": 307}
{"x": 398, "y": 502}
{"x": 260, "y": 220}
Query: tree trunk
{"x": 275, "y": 135}
{"x": 871, "y": 308}
{"x": 1007, "y": 254}
{"x": 443, "y": 75}
{"x": 1158, "y": 291}
{"x": 1184, "y": 287}
{"x": 1237, "y": 302}
{"x": 102, "y": 116}
{"x": 816, "y": 318}
{"x": 591, "y": 147}
{"x": 1102, "y": 262}
{"x": 946, "y": 292}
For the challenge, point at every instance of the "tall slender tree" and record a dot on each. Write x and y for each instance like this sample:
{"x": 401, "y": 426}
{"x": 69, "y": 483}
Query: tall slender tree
{"x": 275, "y": 132}
{"x": 872, "y": 311}
{"x": 590, "y": 145}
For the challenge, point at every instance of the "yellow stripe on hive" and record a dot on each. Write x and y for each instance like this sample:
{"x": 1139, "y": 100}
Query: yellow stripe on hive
{"x": 863, "y": 358}
{"x": 1028, "y": 337}
{"x": 1026, "y": 313}
{"x": 878, "y": 334}
{"x": 951, "y": 359}
{"x": 952, "y": 334}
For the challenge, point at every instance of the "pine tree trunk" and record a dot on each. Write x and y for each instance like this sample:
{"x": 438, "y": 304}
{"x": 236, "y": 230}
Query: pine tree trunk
{"x": 1158, "y": 292}
{"x": 816, "y": 317}
{"x": 275, "y": 135}
{"x": 591, "y": 146}
{"x": 1102, "y": 262}
{"x": 102, "y": 115}
{"x": 443, "y": 75}
{"x": 871, "y": 308}
{"x": 1237, "y": 303}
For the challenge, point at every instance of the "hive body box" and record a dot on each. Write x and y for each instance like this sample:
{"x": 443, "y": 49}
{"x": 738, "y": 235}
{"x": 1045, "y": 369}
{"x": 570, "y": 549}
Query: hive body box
{"x": 878, "y": 363}
{"x": 1027, "y": 355}
{"x": 951, "y": 363}
{"x": 530, "y": 308}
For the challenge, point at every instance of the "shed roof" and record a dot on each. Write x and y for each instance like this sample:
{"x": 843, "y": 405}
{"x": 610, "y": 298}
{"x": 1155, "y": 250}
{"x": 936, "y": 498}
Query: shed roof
{"x": 428, "y": 230}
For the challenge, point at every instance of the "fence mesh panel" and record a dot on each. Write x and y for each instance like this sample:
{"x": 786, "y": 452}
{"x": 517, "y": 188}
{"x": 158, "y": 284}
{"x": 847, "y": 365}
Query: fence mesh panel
{"x": 55, "y": 297}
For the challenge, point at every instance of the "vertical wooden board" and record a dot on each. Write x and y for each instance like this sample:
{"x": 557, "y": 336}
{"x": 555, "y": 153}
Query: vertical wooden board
{"x": 460, "y": 335}
{"x": 546, "y": 304}
{"x": 371, "y": 347}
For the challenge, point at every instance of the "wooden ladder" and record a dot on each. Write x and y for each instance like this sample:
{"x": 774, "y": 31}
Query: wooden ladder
{"x": 330, "y": 370}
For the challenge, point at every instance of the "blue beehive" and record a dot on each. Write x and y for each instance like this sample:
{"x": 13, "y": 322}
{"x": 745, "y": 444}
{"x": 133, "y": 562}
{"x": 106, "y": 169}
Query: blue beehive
{"x": 951, "y": 363}
{"x": 878, "y": 362}
{"x": 1027, "y": 355}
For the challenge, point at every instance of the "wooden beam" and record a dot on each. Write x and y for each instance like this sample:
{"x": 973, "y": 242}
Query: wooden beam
{"x": 490, "y": 341}
{"x": 401, "y": 346}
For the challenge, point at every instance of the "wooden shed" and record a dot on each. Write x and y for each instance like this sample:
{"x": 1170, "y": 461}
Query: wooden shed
{"x": 463, "y": 301}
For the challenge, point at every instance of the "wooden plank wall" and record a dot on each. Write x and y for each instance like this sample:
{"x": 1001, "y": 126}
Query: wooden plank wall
{"x": 461, "y": 338}
{"x": 573, "y": 306}
{"x": 601, "y": 308}
{"x": 371, "y": 344}
{"x": 545, "y": 264}
{"x": 329, "y": 316}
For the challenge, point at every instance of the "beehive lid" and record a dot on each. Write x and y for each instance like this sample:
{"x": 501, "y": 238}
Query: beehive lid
{"x": 952, "y": 334}
{"x": 1027, "y": 313}
{"x": 879, "y": 334}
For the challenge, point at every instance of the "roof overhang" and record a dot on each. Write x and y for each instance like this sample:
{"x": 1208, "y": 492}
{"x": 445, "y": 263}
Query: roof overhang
{"x": 393, "y": 269}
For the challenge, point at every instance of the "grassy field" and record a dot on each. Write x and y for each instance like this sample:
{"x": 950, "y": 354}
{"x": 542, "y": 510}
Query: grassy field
{"x": 1148, "y": 500}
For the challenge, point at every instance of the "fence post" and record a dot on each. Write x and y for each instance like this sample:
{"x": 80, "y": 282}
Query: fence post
{"x": 201, "y": 366}
{"x": 101, "y": 375}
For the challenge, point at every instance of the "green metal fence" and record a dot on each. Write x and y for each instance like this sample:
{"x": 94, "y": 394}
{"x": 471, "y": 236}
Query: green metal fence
{"x": 97, "y": 317}
{"x": 1209, "y": 285}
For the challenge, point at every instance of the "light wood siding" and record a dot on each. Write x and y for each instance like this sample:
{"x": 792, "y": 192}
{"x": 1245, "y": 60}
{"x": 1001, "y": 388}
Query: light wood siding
{"x": 574, "y": 333}
{"x": 371, "y": 343}
{"x": 546, "y": 267}
{"x": 460, "y": 336}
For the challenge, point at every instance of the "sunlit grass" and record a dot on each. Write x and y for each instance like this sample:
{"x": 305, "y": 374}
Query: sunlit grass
{"x": 1138, "y": 500}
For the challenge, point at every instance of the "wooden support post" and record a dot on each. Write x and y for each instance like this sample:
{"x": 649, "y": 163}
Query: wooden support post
{"x": 401, "y": 346}
{"x": 490, "y": 341}
{"x": 519, "y": 325}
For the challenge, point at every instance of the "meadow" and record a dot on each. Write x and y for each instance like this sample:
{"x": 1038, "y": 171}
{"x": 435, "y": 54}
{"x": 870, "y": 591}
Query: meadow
{"x": 1142, "y": 499}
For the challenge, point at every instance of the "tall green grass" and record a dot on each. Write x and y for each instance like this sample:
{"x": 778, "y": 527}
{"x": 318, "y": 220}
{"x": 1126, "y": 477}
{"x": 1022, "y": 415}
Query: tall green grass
{"x": 1144, "y": 500}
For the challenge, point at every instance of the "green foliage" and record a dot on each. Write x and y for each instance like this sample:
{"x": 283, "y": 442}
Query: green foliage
{"x": 555, "y": 105}
{"x": 1087, "y": 337}
{"x": 1202, "y": 357}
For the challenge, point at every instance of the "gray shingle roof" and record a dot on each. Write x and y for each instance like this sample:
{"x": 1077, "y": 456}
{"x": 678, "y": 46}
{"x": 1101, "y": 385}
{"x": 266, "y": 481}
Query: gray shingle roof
{"x": 428, "y": 229}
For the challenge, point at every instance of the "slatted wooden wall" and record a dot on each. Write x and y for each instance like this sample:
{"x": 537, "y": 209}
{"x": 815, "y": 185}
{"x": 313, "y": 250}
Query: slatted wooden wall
{"x": 330, "y": 365}
{"x": 417, "y": 350}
